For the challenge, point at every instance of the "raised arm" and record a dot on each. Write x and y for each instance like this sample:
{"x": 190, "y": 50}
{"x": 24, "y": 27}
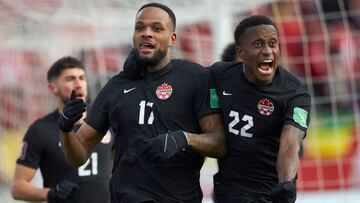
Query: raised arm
{"x": 78, "y": 146}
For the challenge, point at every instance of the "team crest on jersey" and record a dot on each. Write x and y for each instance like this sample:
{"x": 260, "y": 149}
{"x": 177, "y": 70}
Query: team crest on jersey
{"x": 164, "y": 91}
{"x": 265, "y": 107}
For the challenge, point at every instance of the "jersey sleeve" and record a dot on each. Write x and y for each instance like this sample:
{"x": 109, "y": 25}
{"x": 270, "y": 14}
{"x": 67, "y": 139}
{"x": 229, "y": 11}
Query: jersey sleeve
{"x": 97, "y": 116}
{"x": 32, "y": 148}
{"x": 215, "y": 72}
{"x": 206, "y": 99}
{"x": 298, "y": 110}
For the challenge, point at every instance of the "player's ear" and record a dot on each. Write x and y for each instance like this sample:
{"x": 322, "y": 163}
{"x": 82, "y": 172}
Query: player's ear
{"x": 172, "y": 39}
{"x": 240, "y": 52}
{"x": 53, "y": 88}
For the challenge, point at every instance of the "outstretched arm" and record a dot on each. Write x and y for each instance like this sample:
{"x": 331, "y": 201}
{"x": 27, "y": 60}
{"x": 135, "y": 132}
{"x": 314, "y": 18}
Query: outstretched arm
{"x": 212, "y": 142}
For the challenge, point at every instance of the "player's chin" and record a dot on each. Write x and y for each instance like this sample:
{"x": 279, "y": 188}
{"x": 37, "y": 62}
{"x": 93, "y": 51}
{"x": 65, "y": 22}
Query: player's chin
{"x": 265, "y": 79}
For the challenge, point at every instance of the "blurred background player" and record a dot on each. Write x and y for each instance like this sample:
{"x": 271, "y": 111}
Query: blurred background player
{"x": 229, "y": 53}
{"x": 42, "y": 149}
{"x": 265, "y": 130}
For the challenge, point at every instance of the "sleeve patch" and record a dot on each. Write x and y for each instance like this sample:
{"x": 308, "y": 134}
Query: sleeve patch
{"x": 214, "y": 101}
{"x": 300, "y": 116}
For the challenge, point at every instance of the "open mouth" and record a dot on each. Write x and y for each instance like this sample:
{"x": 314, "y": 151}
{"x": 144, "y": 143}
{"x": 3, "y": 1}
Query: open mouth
{"x": 79, "y": 95}
{"x": 146, "y": 45}
{"x": 266, "y": 66}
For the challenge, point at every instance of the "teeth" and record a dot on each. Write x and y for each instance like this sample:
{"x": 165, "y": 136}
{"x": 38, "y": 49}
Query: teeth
{"x": 267, "y": 61}
{"x": 146, "y": 44}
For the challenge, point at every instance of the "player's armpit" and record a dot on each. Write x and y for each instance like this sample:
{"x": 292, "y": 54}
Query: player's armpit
{"x": 212, "y": 142}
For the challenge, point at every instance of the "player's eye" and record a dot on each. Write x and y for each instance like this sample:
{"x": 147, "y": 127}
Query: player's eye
{"x": 273, "y": 43}
{"x": 139, "y": 28}
{"x": 258, "y": 44}
{"x": 157, "y": 28}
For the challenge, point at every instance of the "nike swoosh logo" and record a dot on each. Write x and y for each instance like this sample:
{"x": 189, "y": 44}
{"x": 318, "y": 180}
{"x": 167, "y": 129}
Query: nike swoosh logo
{"x": 226, "y": 94}
{"x": 129, "y": 90}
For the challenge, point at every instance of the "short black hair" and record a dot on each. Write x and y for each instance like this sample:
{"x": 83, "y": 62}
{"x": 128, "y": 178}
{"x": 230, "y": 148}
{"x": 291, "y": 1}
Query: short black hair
{"x": 229, "y": 53}
{"x": 251, "y": 21}
{"x": 61, "y": 64}
{"x": 163, "y": 7}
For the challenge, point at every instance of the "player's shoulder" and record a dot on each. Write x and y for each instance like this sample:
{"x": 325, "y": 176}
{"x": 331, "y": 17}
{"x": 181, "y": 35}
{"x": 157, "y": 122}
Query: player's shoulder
{"x": 49, "y": 118}
{"x": 117, "y": 81}
{"x": 187, "y": 66}
{"x": 43, "y": 124}
{"x": 289, "y": 77}
{"x": 220, "y": 67}
{"x": 120, "y": 78}
{"x": 222, "y": 70}
{"x": 291, "y": 81}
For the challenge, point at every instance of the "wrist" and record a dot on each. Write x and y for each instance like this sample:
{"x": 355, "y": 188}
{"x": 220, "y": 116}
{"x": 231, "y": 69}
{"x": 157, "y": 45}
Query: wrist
{"x": 187, "y": 137}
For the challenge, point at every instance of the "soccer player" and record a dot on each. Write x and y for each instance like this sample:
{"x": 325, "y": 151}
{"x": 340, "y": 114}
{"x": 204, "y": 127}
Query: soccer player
{"x": 42, "y": 149}
{"x": 164, "y": 121}
{"x": 266, "y": 110}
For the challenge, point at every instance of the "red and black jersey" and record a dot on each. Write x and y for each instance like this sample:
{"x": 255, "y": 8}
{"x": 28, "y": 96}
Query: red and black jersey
{"x": 171, "y": 99}
{"x": 253, "y": 118}
{"x": 42, "y": 149}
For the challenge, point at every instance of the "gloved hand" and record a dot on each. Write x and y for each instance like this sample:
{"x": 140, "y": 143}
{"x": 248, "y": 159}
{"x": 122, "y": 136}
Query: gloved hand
{"x": 164, "y": 146}
{"x": 133, "y": 68}
{"x": 284, "y": 192}
{"x": 71, "y": 112}
{"x": 62, "y": 191}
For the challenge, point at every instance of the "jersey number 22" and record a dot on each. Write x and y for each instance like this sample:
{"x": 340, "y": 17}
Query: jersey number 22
{"x": 236, "y": 120}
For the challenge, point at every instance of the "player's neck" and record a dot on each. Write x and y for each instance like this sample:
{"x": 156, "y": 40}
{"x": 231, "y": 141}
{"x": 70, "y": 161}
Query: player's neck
{"x": 162, "y": 64}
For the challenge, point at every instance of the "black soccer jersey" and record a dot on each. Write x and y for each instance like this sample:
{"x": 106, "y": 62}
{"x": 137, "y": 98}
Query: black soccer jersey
{"x": 253, "y": 118}
{"x": 173, "y": 98}
{"x": 42, "y": 149}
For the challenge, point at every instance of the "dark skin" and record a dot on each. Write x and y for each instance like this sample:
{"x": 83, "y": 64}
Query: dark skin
{"x": 259, "y": 49}
{"x": 153, "y": 33}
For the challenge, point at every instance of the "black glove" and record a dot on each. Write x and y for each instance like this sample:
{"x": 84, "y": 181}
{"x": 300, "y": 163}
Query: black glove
{"x": 133, "y": 68}
{"x": 62, "y": 191}
{"x": 284, "y": 192}
{"x": 71, "y": 113}
{"x": 164, "y": 146}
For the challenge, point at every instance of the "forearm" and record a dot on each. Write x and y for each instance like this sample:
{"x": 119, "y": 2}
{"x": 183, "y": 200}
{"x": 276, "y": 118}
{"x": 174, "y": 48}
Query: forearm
{"x": 74, "y": 149}
{"x": 26, "y": 191}
{"x": 208, "y": 144}
{"x": 288, "y": 161}
{"x": 288, "y": 164}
